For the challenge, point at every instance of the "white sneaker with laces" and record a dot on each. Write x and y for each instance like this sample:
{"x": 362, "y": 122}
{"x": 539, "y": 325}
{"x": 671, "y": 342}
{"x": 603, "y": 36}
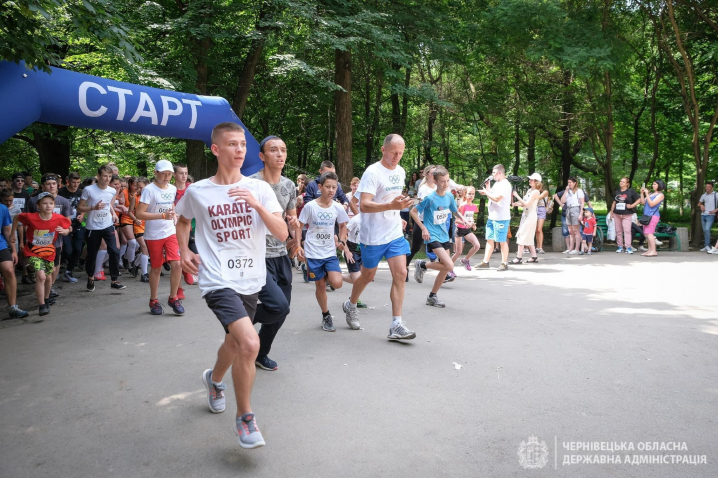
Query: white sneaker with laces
{"x": 706, "y": 249}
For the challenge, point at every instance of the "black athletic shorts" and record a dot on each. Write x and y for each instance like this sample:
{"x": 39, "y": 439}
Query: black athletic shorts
{"x": 230, "y": 306}
{"x": 438, "y": 245}
{"x": 356, "y": 252}
{"x": 5, "y": 255}
{"x": 463, "y": 232}
{"x": 139, "y": 235}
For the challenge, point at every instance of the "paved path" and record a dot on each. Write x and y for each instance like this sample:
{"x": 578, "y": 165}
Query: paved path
{"x": 582, "y": 349}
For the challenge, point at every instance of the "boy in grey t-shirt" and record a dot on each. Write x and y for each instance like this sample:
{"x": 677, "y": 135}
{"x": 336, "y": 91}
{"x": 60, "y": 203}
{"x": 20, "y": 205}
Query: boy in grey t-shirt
{"x": 709, "y": 206}
{"x": 276, "y": 295}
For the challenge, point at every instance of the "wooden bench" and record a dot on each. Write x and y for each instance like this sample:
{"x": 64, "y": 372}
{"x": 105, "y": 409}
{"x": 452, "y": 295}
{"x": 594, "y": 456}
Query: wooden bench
{"x": 601, "y": 224}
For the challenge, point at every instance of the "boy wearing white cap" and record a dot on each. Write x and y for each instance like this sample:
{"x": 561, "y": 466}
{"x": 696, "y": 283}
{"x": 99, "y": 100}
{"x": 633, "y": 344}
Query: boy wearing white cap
{"x": 156, "y": 208}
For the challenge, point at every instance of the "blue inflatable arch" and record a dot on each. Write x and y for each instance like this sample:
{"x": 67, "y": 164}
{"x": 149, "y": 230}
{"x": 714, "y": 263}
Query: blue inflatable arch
{"x": 75, "y": 99}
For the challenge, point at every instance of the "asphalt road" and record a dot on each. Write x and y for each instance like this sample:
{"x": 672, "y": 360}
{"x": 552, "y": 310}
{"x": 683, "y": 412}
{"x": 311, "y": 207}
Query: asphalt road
{"x": 607, "y": 348}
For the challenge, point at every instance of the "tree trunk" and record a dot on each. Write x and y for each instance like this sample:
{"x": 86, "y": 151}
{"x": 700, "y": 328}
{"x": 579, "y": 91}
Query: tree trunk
{"x": 53, "y": 148}
{"x": 405, "y": 103}
{"x": 531, "y": 152}
{"x": 195, "y": 153}
{"x": 517, "y": 147}
{"x": 241, "y": 95}
{"x": 343, "y": 104}
{"x": 634, "y": 152}
{"x": 429, "y": 137}
{"x": 395, "y": 108}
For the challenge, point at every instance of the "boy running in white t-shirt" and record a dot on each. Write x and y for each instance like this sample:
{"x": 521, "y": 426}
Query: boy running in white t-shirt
{"x": 320, "y": 247}
{"x": 156, "y": 208}
{"x": 233, "y": 214}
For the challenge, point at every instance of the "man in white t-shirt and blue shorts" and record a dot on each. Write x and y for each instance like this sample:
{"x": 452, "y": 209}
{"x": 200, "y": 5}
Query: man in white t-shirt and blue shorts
{"x": 156, "y": 208}
{"x": 233, "y": 214}
{"x": 497, "y": 226}
{"x": 381, "y": 234}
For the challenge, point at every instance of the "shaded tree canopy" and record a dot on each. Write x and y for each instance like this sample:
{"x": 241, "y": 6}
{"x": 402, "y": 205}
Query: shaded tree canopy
{"x": 598, "y": 89}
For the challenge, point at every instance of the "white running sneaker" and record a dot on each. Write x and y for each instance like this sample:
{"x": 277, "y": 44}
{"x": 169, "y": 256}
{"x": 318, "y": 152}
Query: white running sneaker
{"x": 706, "y": 249}
{"x": 565, "y": 252}
{"x": 659, "y": 243}
{"x": 400, "y": 332}
{"x": 643, "y": 249}
{"x": 435, "y": 301}
{"x": 714, "y": 251}
{"x": 574, "y": 251}
{"x": 352, "y": 317}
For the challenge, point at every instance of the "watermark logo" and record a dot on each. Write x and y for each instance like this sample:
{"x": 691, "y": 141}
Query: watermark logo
{"x": 533, "y": 454}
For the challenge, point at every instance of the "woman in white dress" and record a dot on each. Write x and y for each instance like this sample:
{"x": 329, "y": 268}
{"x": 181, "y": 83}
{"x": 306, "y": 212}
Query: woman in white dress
{"x": 527, "y": 228}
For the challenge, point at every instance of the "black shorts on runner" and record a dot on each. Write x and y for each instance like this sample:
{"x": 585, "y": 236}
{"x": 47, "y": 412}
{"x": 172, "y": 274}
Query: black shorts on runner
{"x": 438, "y": 245}
{"x": 139, "y": 235}
{"x": 463, "y": 232}
{"x": 229, "y": 306}
{"x": 356, "y": 253}
{"x": 5, "y": 255}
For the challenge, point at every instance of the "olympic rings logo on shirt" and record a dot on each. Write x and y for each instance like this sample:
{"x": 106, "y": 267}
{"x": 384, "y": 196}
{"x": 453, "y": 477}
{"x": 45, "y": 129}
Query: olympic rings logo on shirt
{"x": 395, "y": 179}
{"x": 325, "y": 216}
{"x": 167, "y": 196}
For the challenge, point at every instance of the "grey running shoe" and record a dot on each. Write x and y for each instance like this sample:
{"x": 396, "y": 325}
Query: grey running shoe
{"x": 352, "y": 317}
{"x": 418, "y": 271}
{"x": 503, "y": 267}
{"x": 400, "y": 332}
{"x": 482, "y": 265}
{"x": 328, "y": 324}
{"x": 249, "y": 434}
{"x": 215, "y": 393}
{"x": 434, "y": 301}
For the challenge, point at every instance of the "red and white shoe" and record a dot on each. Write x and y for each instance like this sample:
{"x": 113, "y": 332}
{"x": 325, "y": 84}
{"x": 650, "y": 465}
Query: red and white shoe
{"x": 100, "y": 276}
{"x": 188, "y": 278}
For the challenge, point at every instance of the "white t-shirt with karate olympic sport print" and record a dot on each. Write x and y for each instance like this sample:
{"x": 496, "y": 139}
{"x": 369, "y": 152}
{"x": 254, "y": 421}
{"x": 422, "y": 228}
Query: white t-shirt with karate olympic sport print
{"x": 229, "y": 234}
{"x": 101, "y": 218}
{"x": 384, "y": 184}
{"x": 159, "y": 201}
{"x": 320, "y": 221}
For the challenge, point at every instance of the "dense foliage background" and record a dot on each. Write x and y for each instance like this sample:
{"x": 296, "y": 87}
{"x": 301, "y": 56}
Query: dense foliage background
{"x": 597, "y": 89}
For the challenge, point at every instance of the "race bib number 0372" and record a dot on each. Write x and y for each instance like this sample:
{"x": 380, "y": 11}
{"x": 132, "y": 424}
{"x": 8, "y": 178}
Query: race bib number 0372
{"x": 238, "y": 264}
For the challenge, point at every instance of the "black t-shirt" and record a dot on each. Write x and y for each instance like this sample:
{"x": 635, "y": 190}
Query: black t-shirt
{"x": 74, "y": 198}
{"x": 22, "y": 199}
{"x": 623, "y": 200}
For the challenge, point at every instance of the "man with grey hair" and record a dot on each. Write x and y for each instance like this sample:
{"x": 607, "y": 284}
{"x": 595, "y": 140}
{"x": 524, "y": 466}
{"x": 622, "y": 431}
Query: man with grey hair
{"x": 381, "y": 234}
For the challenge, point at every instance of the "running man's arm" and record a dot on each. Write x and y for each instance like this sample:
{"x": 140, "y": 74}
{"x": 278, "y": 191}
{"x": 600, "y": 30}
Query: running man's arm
{"x": 368, "y": 205}
{"x": 142, "y": 214}
{"x": 188, "y": 260}
{"x": 273, "y": 220}
{"x": 343, "y": 232}
{"x": 424, "y": 231}
{"x": 83, "y": 207}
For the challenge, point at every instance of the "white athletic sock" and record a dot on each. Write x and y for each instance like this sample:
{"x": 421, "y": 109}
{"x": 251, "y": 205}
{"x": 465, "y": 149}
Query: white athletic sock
{"x": 137, "y": 257}
{"x": 123, "y": 249}
{"x": 100, "y": 260}
{"x": 131, "y": 249}
{"x": 144, "y": 258}
{"x": 395, "y": 321}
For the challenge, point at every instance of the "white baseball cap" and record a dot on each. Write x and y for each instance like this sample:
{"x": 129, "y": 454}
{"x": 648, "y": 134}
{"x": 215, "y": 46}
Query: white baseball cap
{"x": 535, "y": 176}
{"x": 164, "y": 165}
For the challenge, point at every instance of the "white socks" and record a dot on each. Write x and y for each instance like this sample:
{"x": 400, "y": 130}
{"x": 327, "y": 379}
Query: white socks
{"x": 123, "y": 249}
{"x": 395, "y": 321}
{"x": 131, "y": 249}
{"x": 101, "y": 254}
{"x": 144, "y": 259}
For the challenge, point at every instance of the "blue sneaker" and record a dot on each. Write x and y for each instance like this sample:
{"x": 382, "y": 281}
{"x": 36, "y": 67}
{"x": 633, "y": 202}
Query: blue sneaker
{"x": 304, "y": 273}
{"x": 629, "y": 250}
{"x": 17, "y": 313}
{"x": 619, "y": 250}
{"x": 156, "y": 307}
{"x": 176, "y": 305}
{"x": 265, "y": 363}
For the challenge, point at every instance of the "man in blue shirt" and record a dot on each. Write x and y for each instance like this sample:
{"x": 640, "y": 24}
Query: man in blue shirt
{"x": 8, "y": 261}
{"x": 312, "y": 190}
{"x": 436, "y": 208}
